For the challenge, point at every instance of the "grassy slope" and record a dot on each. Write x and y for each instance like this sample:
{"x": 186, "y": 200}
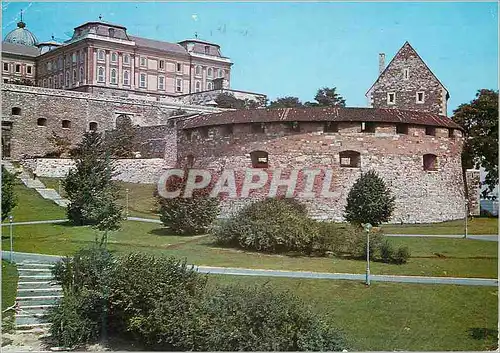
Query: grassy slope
{"x": 32, "y": 207}
{"x": 475, "y": 226}
{"x": 9, "y": 284}
{"x": 388, "y": 317}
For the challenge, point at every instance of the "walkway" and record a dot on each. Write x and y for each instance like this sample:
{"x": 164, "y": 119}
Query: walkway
{"x": 487, "y": 237}
{"x": 41, "y": 258}
{"x": 26, "y": 179}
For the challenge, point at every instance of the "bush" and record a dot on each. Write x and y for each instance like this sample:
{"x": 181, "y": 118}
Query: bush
{"x": 386, "y": 251}
{"x": 272, "y": 225}
{"x": 369, "y": 201}
{"x": 9, "y": 200}
{"x": 401, "y": 255}
{"x": 192, "y": 215}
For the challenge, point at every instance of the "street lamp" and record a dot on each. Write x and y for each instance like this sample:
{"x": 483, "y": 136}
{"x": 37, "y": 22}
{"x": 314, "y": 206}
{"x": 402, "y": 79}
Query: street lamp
{"x": 11, "y": 241}
{"x": 126, "y": 198}
{"x": 466, "y": 217}
{"x": 367, "y": 227}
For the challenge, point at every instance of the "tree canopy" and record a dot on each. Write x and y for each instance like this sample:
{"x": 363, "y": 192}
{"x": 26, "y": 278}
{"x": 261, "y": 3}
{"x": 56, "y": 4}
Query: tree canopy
{"x": 479, "y": 118}
{"x": 325, "y": 97}
{"x": 9, "y": 200}
{"x": 286, "y": 102}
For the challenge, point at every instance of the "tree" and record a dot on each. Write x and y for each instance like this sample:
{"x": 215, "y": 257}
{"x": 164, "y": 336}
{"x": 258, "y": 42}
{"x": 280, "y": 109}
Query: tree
{"x": 121, "y": 142}
{"x": 9, "y": 200}
{"x": 91, "y": 193}
{"x": 62, "y": 145}
{"x": 286, "y": 102}
{"x": 369, "y": 201}
{"x": 327, "y": 97}
{"x": 479, "y": 119}
{"x": 227, "y": 100}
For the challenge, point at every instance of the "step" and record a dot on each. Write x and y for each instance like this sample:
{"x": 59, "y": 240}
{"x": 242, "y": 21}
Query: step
{"x": 30, "y": 292}
{"x": 35, "y": 278}
{"x": 32, "y": 269}
{"x": 31, "y": 308}
{"x": 46, "y": 193}
{"x": 36, "y": 264}
{"x": 39, "y": 284}
{"x": 35, "y": 311}
{"x": 29, "y": 320}
{"x": 37, "y": 300}
{"x": 33, "y": 326}
{"x": 62, "y": 202}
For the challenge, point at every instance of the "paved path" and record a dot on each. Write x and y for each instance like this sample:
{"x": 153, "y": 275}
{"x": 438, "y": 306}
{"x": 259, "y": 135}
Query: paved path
{"x": 487, "y": 237}
{"x": 35, "y": 222}
{"x": 23, "y": 257}
{"x": 148, "y": 220}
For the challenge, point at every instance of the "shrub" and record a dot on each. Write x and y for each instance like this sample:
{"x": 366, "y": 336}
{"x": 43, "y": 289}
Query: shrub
{"x": 9, "y": 200}
{"x": 192, "y": 215}
{"x": 272, "y": 225}
{"x": 386, "y": 251}
{"x": 401, "y": 255}
{"x": 369, "y": 201}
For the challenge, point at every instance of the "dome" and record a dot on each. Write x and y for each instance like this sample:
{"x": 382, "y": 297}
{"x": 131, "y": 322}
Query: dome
{"x": 21, "y": 36}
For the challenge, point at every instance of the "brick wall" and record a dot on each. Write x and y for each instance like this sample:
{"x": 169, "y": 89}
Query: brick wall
{"x": 421, "y": 196}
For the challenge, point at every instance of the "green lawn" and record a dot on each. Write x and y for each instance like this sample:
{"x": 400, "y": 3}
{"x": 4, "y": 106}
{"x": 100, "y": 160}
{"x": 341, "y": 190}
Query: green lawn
{"x": 9, "y": 292}
{"x": 396, "y": 316}
{"x": 32, "y": 207}
{"x": 481, "y": 225}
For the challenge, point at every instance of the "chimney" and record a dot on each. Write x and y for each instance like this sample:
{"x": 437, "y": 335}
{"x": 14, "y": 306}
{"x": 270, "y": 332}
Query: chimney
{"x": 381, "y": 63}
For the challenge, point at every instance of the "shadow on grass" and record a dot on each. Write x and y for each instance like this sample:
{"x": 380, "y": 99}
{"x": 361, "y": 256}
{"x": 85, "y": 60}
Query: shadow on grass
{"x": 483, "y": 333}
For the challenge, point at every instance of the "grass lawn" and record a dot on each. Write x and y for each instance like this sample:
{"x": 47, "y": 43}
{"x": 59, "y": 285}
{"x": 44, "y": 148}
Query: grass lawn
{"x": 9, "y": 292}
{"x": 480, "y": 225}
{"x": 396, "y": 316}
{"x": 32, "y": 207}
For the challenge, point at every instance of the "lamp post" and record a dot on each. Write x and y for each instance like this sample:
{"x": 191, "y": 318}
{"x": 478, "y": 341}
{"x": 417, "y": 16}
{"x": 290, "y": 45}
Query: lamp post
{"x": 11, "y": 239}
{"x": 126, "y": 202}
{"x": 367, "y": 227}
{"x": 466, "y": 217}
{"x": 59, "y": 187}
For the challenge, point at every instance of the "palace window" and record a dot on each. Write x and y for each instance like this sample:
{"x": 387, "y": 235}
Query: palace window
{"x": 207, "y": 50}
{"x": 101, "y": 55}
{"x": 81, "y": 74}
{"x": 67, "y": 78}
{"x": 162, "y": 64}
{"x": 41, "y": 122}
{"x": 178, "y": 85}
{"x": 93, "y": 126}
{"x": 142, "y": 81}
{"x": 330, "y": 126}
{"x": 420, "y": 97}
{"x": 430, "y": 162}
{"x": 143, "y": 61}
{"x": 197, "y": 70}
{"x": 28, "y": 69}
{"x": 189, "y": 161}
{"x": 111, "y": 32}
{"x": 391, "y": 98}
{"x": 179, "y": 67}
{"x": 16, "y": 111}
{"x": 66, "y": 124}
{"x": 126, "y": 59}
{"x": 113, "y": 77}
{"x": 100, "y": 74}
{"x": 210, "y": 72}
{"x": 44, "y": 83}
{"x": 430, "y": 130}
{"x": 260, "y": 159}
{"x": 350, "y": 159}
{"x": 125, "y": 78}
{"x": 209, "y": 85}
{"x": 5, "y": 67}
{"x": 18, "y": 68}
{"x": 220, "y": 73}
{"x": 73, "y": 58}
{"x": 114, "y": 57}
{"x": 402, "y": 129}
{"x": 74, "y": 76}
{"x": 161, "y": 83}
{"x": 61, "y": 82}
{"x": 368, "y": 127}
{"x": 197, "y": 86}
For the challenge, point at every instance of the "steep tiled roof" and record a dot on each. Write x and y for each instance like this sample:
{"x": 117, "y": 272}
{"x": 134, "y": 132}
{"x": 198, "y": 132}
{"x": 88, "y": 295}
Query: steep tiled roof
{"x": 19, "y": 49}
{"x": 159, "y": 45}
{"x": 320, "y": 114}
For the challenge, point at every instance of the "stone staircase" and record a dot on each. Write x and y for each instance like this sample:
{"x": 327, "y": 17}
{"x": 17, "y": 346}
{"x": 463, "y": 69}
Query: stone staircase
{"x": 36, "y": 184}
{"x": 36, "y": 292}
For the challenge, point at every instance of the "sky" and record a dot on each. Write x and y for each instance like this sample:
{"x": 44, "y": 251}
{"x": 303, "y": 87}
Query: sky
{"x": 295, "y": 48}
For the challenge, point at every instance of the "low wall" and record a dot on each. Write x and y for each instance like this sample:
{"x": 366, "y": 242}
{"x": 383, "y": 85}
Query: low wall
{"x": 143, "y": 171}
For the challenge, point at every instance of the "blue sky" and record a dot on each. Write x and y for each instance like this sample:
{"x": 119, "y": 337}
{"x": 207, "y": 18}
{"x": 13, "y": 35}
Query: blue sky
{"x": 281, "y": 48}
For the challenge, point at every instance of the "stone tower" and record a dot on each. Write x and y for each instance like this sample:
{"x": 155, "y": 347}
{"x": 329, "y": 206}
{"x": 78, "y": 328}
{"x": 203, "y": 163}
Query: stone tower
{"x": 408, "y": 83}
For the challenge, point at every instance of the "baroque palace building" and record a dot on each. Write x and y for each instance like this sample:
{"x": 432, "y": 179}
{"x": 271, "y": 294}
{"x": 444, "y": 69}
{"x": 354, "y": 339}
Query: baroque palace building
{"x": 103, "y": 58}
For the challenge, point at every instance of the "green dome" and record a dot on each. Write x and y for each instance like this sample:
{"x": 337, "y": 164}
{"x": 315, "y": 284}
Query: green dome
{"x": 21, "y": 36}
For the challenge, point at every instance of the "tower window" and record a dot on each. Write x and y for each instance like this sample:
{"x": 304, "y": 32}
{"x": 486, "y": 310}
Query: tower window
{"x": 368, "y": 126}
{"x": 16, "y": 111}
{"x": 420, "y": 97}
{"x": 391, "y": 98}
{"x": 430, "y": 162}
{"x": 93, "y": 126}
{"x": 227, "y": 129}
{"x": 406, "y": 74}
{"x": 260, "y": 159}
{"x": 430, "y": 130}
{"x": 204, "y": 132}
{"x": 350, "y": 159}
{"x": 451, "y": 133}
{"x": 41, "y": 122}
{"x": 330, "y": 126}
{"x": 66, "y": 124}
{"x": 402, "y": 129}
{"x": 258, "y": 128}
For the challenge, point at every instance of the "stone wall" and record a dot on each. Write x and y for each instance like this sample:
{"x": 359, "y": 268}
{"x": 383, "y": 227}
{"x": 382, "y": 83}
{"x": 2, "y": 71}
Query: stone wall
{"x": 144, "y": 171}
{"x": 79, "y": 109}
{"x": 207, "y": 96}
{"x": 421, "y": 196}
